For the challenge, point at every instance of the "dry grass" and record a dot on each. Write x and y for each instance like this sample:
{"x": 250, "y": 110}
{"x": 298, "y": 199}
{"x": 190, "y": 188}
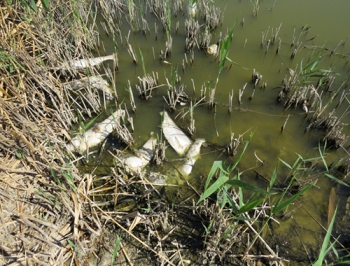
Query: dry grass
{"x": 42, "y": 221}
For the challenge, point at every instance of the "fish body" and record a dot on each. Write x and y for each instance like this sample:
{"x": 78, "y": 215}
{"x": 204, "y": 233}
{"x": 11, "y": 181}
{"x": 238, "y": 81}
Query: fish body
{"x": 89, "y": 62}
{"x": 142, "y": 157}
{"x": 191, "y": 157}
{"x": 174, "y": 135}
{"x": 212, "y": 49}
{"x": 93, "y": 82}
{"x": 96, "y": 134}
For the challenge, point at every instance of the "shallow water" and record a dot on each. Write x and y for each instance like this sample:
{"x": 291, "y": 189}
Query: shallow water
{"x": 262, "y": 114}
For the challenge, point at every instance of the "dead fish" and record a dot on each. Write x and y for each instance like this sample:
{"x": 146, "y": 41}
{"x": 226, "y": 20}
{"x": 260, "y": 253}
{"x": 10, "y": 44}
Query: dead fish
{"x": 174, "y": 135}
{"x": 212, "y": 49}
{"x": 93, "y": 82}
{"x": 89, "y": 62}
{"x": 191, "y": 157}
{"x": 96, "y": 134}
{"x": 142, "y": 156}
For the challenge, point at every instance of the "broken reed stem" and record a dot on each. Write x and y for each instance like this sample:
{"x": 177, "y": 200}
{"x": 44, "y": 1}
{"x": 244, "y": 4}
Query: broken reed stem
{"x": 132, "y": 54}
{"x": 230, "y": 100}
{"x": 251, "y": 97}
{"x": 240, "y": 93}
{"x": 285, "y": 123}
{"x": 279, "y": 45}
{"x": 191, "y": 128}
{"x": 211, "y": 98}
{"x": 132, "y": 100}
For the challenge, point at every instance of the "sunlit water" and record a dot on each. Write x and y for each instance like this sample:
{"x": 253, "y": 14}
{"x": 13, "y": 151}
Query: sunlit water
{"x": 262, "y": 114}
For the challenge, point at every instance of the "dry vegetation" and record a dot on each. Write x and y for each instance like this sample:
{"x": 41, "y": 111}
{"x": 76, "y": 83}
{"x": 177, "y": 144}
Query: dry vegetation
{"x": 41, "y": 213}
{"x": 51, "y": 214}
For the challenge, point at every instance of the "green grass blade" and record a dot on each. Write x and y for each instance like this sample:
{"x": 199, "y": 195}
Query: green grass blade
{"x": 326, "y": 241}
{"x": 45, "y": 4}
{"x": 216, "y": 165}
{"x": 337, "y": 180}
{"x": 247, "y": 186}
{"x": 273, "y": 177}
{"x": 87, "y": 125}
{"x": 322, "y": 157}
{"x": 142, "y": 62}
{"x": 116, "y": 249}
{"x": 241, "y": 155}
{"x": 279, "y": 207}
{"x": 230, "y": 201}
{"x": 286, "y": 164}
{"x": 214, "y": 187}
{"x": 250, "y": 205}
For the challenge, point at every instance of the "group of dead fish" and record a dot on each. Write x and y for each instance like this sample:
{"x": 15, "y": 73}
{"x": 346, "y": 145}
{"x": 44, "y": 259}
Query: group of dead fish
{"x": 172, "y": 133}
{"x": 94, "y": 136}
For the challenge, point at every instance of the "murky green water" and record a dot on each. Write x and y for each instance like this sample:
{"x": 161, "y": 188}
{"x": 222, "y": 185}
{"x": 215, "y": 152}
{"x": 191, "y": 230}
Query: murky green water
{"x": 328, "y": 21}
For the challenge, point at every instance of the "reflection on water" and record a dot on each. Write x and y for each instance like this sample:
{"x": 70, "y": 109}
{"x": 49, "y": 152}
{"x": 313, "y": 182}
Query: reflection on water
{"x": 259, "y": 113}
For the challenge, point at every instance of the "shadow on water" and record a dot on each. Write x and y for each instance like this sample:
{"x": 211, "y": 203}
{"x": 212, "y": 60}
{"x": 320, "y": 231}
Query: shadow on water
{"x": 305, "y": 26}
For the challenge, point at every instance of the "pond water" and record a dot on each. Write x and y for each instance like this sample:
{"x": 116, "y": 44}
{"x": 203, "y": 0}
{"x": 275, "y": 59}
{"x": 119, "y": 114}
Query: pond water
{"x": 313, "y": 24}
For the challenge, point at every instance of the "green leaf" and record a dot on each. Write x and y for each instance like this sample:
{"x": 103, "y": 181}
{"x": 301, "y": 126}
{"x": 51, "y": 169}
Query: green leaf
{"x": 337, "y": 180}
{"x": 280, "y": 207}
{"x": 216, "y": 165}
{"x": 247, "y": 186}
{"x": 241, "y": 155}
{"x": 142, "y": 62}
{"x": 33, "y": 6}
{"x": 230, "y": 201}
{"x": 45, "y": 4}
{"x": 214, "y": 187}
{"x": 326, "y": 240}
{"x": 116, "y": 249}
{"x": 323, "y": 159}
{"x": 273, "y": 177}
{"x": 285, "y": 163}
{"x": 250, "y": 205}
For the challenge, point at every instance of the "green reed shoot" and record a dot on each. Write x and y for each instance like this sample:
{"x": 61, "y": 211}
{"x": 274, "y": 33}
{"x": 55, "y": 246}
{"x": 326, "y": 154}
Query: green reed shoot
{"x": 74, "y": 247}
{"x": 46, "y": 4}
{"x": 326, "y": 245}
{"x": 84, "y": 126}
{"x": 224, "y": 48}
{"x": 29, "y": 6}
{"x": 116, "y": 249}
{"x": 327, "y": 174}
{"x": 131, "y": 8}
{"x": 223, "y": 183}
{"x": 168, "y": 28}
{"x": 142, "y": 62}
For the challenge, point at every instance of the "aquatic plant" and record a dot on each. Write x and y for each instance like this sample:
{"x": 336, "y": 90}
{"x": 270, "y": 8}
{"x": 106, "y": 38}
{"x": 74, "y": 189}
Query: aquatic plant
{"x": 327, "y": 246}
{"x": 231, "y": 203}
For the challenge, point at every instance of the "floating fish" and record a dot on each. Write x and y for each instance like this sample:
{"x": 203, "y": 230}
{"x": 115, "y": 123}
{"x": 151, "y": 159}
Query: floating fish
{"x": 96, "y": 134}
{"x": 174, "y": 135}
{"x": 89, "y": 62}
{"x": 142, "y": 156}
{"x": 212, "y": 49}
{"x": 94, "y": 82}
{"x": 191, "y": 157}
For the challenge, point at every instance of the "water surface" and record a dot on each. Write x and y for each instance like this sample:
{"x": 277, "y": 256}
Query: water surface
{"x": 328, "y": 22}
